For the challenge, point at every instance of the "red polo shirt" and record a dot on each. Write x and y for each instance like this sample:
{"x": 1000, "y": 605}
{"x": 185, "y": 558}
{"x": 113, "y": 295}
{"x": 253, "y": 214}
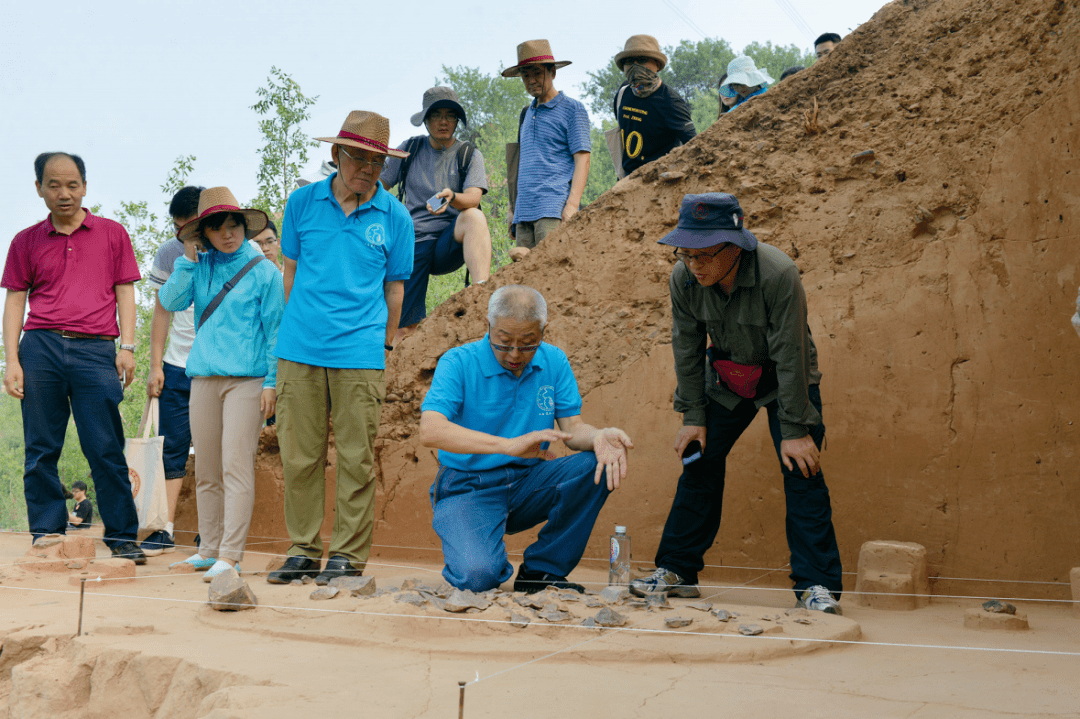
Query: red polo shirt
{"x": 70, "y": 278}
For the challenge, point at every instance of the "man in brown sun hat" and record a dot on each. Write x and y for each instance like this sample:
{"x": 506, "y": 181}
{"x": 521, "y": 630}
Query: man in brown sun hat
{"x": 653, "y": 117}
{"x": 348, "y": 248}
{"x": 554, "y": 147}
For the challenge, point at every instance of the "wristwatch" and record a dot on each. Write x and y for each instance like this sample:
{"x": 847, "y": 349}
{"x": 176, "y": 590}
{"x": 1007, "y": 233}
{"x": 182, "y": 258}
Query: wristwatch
{"x": 129, "y": 348}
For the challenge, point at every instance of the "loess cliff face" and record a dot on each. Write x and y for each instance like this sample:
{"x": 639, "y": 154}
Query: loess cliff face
{"x": 941, "y": 272}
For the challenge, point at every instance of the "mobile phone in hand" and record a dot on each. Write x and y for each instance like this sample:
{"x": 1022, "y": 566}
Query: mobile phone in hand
{"x": 692, "y": 453}
{"x": 436, "y": 202}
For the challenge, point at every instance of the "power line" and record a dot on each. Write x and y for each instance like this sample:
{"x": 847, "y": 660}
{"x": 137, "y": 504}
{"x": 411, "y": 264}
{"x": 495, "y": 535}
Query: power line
{"x": 796, "y": 18}
{"x": 686, "y": 18}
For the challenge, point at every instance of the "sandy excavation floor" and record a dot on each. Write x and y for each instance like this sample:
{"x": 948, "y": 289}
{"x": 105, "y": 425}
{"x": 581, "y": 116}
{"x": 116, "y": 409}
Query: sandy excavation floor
{"x": 153, "y": 648}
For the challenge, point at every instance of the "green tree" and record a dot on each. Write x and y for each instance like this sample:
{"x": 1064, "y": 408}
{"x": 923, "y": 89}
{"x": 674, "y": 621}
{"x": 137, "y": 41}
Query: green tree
{"x": 774, "y": 59}
{"x": 704, "y": 108}
{"x": 286, "y": 146}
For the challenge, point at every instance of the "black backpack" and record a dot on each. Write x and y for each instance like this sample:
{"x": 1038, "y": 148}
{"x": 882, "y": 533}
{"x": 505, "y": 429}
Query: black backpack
{"x": 464, "y": 159}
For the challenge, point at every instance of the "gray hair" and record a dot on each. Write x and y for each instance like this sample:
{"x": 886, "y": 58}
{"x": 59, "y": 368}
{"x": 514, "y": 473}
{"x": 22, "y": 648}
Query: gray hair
{"x": 517, "y": 302}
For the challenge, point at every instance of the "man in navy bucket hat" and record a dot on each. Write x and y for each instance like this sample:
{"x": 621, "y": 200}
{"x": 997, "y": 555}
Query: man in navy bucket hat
{"x": 741, "y": 304}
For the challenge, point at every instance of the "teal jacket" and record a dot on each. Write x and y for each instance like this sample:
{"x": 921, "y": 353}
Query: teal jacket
{"x": 239, "y": 338}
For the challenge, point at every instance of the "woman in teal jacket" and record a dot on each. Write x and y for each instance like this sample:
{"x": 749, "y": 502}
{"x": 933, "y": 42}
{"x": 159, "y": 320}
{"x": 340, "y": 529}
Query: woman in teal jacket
{"x": 232, "y": 366}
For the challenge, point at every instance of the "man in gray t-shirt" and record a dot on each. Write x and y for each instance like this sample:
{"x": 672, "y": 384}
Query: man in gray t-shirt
{"x": 456, "y": 232}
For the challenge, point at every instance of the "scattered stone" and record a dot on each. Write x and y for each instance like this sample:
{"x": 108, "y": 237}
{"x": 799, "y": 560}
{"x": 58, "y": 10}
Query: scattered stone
{"x": 723, "y": 615}
{"x": 700, "y": 606}
{"x": 75, "y": 564}
{"x": 414, "y": 584}
{"x": 750, "y": 630}
{"x": 391, "y": 397}
{"x": 413, "y": 598}
{"x": 518, "y": 620}
{"x": 462, "y": 600}
{"x": 672, "y": 176}
{"x": 569, "y": 597}
{"x": 355, "y": 586}
{"x": 325, "y": 593}
{"x": 533, "y": 601}
{"x": 608, "y": 617}
{"x": 999, "y": 607}
{"x": 982, "y": 619}
{"x": 593, "y": 602}
{"x": 307, "y": 579}
{"x": 182, "y": 568}
{"x": 803, "y": 620}
{"x": 677, "y": 622}
{"x": 831, "y": 170}
{"x": 295, "y": 582}
{"x": 555, "y": 616}
{"x": 657, "y": 601}
{"x": 636, "y": 603}
{"x": 614, "y": 594}
{"x": 589, "y": 622}
{"x": 230, "y": 593}
{"x": 444, "y": 590}
{"x": 863, "y": 156}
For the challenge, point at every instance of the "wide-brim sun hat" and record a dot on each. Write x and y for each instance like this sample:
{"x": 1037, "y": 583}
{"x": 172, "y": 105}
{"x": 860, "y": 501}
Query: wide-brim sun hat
{"x": 641, "y": 46}
{"x": 365, "y": 131}
{"x": 743, "y": 71}
{"x": 437, "y": 98}
{"x": 533, "y": 52}
{"x": 710, "y": 219}
{"x": 216, "y": 200}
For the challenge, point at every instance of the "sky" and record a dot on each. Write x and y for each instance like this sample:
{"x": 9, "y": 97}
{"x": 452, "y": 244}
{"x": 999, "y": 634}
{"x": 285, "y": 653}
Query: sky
{"x": 132, "y": 86}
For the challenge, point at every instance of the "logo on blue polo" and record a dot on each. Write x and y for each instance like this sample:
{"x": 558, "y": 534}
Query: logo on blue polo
{"x": 376, "y": 235}
{"x": 545, "y": 398}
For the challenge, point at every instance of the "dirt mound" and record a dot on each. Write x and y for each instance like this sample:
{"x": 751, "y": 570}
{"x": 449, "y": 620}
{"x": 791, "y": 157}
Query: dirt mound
{"x": 934, "y": 219}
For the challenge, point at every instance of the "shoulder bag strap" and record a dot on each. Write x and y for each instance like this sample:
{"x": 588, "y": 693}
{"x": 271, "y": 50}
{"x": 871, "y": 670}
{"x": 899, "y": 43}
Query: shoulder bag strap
{"x": 209, "y": 310}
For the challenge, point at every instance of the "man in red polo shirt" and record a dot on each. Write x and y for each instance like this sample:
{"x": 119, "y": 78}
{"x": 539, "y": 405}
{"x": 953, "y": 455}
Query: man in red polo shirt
{"x": 78, "y": 272}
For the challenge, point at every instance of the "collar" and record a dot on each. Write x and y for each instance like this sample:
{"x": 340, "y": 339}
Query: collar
{"x": 550, "y": 103}
{"x": 490, "y": 367}
{"x": 88, "y": 223}
{"x": 380, "y": 200}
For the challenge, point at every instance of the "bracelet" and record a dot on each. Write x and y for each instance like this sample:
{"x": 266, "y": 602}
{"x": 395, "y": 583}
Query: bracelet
{"x": 453, "y": 196}
{"x": 388, "y": 348}
{"x": 129, "y": 348}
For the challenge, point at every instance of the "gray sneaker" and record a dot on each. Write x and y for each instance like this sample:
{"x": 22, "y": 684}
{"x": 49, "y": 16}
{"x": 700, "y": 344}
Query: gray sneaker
{"x": 663, "y": 581}
{"x": 817, "y": 598}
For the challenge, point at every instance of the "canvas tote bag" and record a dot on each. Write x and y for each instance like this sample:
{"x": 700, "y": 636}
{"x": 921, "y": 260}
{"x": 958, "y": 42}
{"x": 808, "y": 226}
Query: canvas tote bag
{"x": 147, "y": 471}
{"x": 614, "y": 139}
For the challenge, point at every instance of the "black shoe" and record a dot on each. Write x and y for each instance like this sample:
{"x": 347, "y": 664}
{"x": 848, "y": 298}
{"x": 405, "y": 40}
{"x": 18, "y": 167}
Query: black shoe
{"x": 533, "y": 582}
{"x": 128, "y": 550}
{"x": 337, "y": 566}
{"x": 294, "y": 568}
{"x": 157, "y": 543}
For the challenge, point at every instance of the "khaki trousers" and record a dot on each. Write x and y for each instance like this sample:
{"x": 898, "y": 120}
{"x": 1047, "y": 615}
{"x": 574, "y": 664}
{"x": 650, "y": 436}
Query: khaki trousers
{"x": 308, "y": 397}
{"x": 530, "y": 234}
{"x": 225, "y": 426}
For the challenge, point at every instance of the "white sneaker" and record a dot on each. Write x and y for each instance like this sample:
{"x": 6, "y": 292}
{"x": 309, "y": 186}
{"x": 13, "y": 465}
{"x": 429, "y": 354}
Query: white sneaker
{"x": 220, "y": 567}
{"x": 817, "y": 598}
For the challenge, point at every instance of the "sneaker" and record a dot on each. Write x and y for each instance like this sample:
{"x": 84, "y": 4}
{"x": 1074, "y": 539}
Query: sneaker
{"x": 196, "y": 560}
{"x": 664, "y": 581}
{"x": 294, "y": 568}
{"x": 533, "y": 582}
{"x": 157, "y": 543}
{"x": 220, "y": 567}
{"x": 129, "y": 550}
{"x": 337, "y": 566}
{"x": 817, "y": 598}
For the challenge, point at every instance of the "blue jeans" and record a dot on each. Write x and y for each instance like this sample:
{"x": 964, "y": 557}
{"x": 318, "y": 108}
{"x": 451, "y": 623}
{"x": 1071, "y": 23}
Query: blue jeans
{"x": 695, "y": 514}
{"x": 175, "y": 423}
{"x": 439, "y": 256}
{"x": 473, "y": 510}
{"x": 65, "y": 377}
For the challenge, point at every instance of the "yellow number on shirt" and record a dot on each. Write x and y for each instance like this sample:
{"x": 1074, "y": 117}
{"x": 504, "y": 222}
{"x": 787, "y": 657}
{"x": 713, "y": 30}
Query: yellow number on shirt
{"x": 634, "y": 142}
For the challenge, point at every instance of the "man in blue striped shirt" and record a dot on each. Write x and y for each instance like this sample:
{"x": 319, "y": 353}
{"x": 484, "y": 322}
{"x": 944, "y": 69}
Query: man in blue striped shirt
{"x": 554, "y": 147}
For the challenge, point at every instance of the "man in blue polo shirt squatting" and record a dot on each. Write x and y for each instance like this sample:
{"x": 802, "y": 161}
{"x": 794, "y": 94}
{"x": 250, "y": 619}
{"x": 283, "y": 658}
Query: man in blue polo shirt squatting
{"x": 491, "y": 412}
{"x": 348, "y": 248}
{"x": 554, "y": 147}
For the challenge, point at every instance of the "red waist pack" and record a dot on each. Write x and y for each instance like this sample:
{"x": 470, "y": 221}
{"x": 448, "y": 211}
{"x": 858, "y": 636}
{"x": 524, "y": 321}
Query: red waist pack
{"x": 742, "y": 379}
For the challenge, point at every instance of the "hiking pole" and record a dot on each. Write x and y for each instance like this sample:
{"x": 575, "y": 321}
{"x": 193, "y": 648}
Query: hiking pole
{"x": 461, "y": 700}
{"x": 82, "y": 593}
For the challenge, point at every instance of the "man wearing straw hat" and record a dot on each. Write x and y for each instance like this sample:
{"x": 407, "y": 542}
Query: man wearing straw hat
{"x": 348, "y": 248}
{"x": 454, "y": 233}
{"x": 554, "y": 147}
{"x": 653, "y": 117}
{"x": 78, "y": 272}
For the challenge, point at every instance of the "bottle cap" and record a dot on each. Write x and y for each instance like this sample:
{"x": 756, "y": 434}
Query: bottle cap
{"x": 619, "y": 529}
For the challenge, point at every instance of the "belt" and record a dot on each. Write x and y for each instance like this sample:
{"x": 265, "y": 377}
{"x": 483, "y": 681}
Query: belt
{"x": 69, "y": 335}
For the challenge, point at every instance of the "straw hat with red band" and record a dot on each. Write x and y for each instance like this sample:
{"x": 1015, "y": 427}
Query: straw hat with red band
{"x": 214, "y": 201}
{"x": 365, "y": 131}
{"x": 533, "y": 52}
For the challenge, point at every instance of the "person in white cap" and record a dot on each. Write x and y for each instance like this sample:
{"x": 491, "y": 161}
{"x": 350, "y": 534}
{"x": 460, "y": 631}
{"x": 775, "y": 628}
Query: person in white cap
{"x": 744, "y": 81}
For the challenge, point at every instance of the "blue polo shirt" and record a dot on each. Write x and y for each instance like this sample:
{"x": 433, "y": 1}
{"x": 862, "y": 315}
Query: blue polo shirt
{"x": 336, "y": 314}
{"x": 498, "y": 402}
{"x": 551, "y": 134}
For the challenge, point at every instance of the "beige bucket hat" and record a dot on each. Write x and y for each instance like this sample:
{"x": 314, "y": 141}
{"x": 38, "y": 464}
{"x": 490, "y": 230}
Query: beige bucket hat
{"x": 215, "y": 200}
{"x": 641, "y": 46}
{"x": 533, "y": 52}
{"x": 365, "y": 131}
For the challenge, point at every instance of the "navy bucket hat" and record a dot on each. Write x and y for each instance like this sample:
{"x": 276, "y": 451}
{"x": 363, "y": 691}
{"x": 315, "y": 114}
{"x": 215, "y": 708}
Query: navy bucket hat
{"x": 710, "y": 219}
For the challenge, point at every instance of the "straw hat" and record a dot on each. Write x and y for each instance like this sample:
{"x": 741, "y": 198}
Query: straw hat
{"x": 437, "y": 98}
{"x": 214, "y": 201}
{"x": 743, "y": 71}
{"x": 365, "y": 131}
{"x": 533, "y": 52}
{"x": 641, "y": 46}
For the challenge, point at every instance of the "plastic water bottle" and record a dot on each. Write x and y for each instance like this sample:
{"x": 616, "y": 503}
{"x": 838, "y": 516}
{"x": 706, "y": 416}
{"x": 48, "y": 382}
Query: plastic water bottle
{"x": 619, "y": 571}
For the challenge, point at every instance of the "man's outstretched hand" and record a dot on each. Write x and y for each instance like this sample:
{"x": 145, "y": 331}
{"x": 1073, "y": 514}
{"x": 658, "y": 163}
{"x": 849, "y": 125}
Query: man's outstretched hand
{"x": 610, "y": 445}
{"x": 531, "y": 445}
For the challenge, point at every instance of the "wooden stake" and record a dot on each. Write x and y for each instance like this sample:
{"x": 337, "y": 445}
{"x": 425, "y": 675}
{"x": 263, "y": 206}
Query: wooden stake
{"x": 82, "y": 592}
{"x": 461, "y": 700}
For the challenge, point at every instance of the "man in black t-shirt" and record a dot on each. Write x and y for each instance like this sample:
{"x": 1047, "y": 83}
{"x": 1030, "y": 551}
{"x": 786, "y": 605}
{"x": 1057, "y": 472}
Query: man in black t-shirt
{"x": 82, "y": 516}
{"x": 653, "y": 118}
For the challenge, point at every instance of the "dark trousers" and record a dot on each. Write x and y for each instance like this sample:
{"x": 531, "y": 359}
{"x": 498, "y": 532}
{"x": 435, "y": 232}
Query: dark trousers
{"x": 175, "y": 423}
{"x": 695, "y": 514}
{"x": 65, "y": 377}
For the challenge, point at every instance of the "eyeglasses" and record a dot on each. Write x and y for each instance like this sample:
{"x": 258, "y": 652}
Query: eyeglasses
{"x": 375, "y": 164}
{"x": 523, "y": 349}
{"x": 687, "y": 258}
